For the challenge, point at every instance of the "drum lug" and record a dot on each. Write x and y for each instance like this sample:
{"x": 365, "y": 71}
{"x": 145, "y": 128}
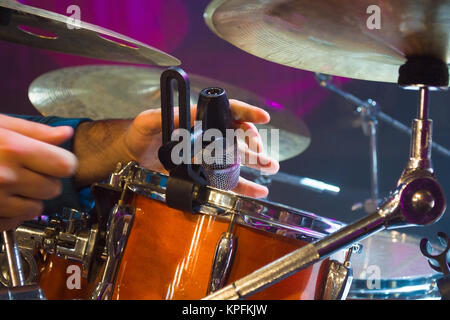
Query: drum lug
{"x": 338, "y": 281}
{"x": 339, "y": 277}
{"x": 223, "y": 259}
{"x": 119, "y": 228}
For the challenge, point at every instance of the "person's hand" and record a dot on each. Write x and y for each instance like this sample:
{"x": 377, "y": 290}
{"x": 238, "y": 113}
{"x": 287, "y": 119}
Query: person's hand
{"x": 30, "y": 165}
{"x": 143, "y": 139}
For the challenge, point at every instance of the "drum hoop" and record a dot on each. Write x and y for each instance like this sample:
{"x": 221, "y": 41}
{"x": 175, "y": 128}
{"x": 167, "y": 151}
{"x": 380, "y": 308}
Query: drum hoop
{"x": 393, "y": 285}
{"x": 255, "y": 213}
{"x": 411, "y": 287}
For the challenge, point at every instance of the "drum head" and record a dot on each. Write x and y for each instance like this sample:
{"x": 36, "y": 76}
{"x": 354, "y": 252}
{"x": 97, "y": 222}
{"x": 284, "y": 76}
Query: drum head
{"x": 391, "y": 266}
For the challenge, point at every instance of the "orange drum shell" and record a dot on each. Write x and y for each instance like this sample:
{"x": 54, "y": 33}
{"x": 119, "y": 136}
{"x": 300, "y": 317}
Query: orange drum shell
{"x": 169, "y": 256}
{"x": 53, "y": 280}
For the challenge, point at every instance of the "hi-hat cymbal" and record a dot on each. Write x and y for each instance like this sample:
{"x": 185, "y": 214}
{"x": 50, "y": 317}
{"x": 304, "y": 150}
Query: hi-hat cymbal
{"x": 47, "y": 30}
{"x": 122, "y": 92}
{"x": 337, "y": 37}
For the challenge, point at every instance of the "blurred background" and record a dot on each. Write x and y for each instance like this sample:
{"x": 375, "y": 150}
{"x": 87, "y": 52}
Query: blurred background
{"x": 339, "y": 151}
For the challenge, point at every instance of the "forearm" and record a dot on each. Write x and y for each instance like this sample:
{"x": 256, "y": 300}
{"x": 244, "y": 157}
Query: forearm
{"x": 99, "y": 146}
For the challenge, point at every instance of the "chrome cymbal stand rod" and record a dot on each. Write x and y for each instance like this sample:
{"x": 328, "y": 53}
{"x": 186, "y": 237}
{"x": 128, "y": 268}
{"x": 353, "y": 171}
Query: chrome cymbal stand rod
{"x": 370, "y": 128}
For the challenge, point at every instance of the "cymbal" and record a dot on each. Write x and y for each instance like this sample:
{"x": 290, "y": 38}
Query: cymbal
{"x": 336, "y": 37}
{"x": 47, "y": 30}
{"x": 122, "y": 92}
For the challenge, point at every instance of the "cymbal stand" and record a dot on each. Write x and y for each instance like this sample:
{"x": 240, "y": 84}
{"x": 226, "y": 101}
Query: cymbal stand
{"x": 370, "y": 112}
{"x": 370, "y": 128}
{"x": 418, "y": 200}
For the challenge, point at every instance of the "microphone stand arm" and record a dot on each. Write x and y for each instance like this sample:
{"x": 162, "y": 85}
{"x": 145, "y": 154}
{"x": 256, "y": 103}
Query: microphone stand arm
{"x": 418, "y": 200}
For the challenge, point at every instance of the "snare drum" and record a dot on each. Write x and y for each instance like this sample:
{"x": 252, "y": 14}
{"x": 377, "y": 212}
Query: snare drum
{"x": 169, "y": 254}
{"x": 391, "y": 266}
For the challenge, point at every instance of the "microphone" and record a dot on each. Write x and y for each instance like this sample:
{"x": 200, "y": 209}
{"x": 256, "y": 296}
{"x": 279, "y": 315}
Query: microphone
{"x": 219, "y": 157}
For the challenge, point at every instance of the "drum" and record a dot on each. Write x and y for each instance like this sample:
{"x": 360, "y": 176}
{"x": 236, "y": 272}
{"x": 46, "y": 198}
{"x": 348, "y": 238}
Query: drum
{"x": 391, "y": 266}
{"x": 169, "y": 254}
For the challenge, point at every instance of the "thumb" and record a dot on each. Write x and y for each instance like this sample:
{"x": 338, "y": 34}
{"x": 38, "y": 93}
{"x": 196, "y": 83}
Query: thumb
{"x": 149, "y": 122}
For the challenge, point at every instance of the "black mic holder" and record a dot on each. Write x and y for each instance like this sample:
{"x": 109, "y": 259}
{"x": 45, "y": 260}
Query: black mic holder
{"x": 214, "y": 112}
{"x": 185, "y": 176}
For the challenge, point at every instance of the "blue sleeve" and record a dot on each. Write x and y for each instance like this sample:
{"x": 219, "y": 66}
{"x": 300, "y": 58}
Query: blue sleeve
{"x": 71, "y": 196}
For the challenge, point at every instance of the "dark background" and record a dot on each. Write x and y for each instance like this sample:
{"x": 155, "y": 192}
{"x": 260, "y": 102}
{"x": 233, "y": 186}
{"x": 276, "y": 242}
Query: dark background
{"x": 339, "y": 152}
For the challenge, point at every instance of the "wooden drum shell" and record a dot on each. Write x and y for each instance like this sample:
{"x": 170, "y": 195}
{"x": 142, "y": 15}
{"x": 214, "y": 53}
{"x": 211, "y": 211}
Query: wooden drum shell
{"x": 169, "y": 256}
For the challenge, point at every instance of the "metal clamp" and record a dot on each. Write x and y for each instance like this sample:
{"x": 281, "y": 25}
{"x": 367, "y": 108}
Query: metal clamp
{"x": 68, "y": 235}
{"x": 223, "y": 258}
{"x": 119, "y": 228}
{"x": 339, "y": 277}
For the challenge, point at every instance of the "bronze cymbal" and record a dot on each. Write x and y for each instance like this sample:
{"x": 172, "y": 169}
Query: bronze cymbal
{"x": 122, "y": 92}
{"x": 47, "y": 30}
{"x": 336, "y": 37}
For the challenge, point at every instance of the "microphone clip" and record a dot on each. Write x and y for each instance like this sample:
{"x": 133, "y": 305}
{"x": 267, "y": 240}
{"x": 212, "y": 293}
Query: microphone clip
{"x": 185, "y": 176}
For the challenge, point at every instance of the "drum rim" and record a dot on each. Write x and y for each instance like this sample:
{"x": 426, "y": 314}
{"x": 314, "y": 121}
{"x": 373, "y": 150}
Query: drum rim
{"x": 408, "y": 287}
{"x": 256, "y": 213}
{"x": 414, "y": 288}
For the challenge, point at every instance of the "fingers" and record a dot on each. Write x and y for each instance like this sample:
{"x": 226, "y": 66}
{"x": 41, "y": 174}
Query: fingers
{"x": 30, "y": 163}
{"x": 258, "y": 161}
{"x": 10, "y": 224}
{"x": 149, "y": 122}
{"x": 20, "y": 208}
{"x": 19, "y": 194}
{"x": 248, "y": 133}
{"x": 251, "y": 189}
{"x": 17, "y": 220}
{"x": 245, "y": 112}
{"x": 38, "y": 131}
{"x": 26, "y": 183}
{"x": 36, "y": 155}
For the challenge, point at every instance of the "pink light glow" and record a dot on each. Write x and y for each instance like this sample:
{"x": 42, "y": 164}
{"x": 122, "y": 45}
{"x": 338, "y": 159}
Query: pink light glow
{"x": 274, "y": 104}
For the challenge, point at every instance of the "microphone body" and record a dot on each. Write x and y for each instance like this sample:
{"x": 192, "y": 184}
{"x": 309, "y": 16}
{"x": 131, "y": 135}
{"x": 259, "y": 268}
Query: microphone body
{"x": 219, "y": 155}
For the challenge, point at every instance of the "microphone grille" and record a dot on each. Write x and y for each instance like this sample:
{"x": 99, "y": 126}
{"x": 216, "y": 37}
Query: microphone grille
{"x": 222, "y": 165}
